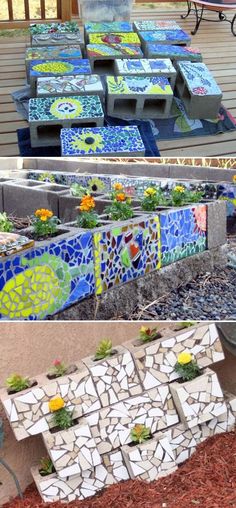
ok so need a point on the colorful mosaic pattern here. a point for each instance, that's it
(44, 28)
(106, 140)
(174, 52)
(53, 53)
(54, 38)
(168, 36)
(69, 85)
(198, 79)
(183, 233)
(113, 50)
(148, 85)
(156, 25)
(227, 191)
(115, 26)
(144, 66)
(47, 279)
(61, 108)
(72, 67)
(11, 242)
(115, 38)
(124, 253)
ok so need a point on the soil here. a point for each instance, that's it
(206, 480)
(113, 353)
(70, 370)
(32, 383)
(33, 236)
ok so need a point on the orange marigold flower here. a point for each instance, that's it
(120, 197)
(87, 203)
(43, 214)
(117, 186)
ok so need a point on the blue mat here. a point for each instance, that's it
(145, 130)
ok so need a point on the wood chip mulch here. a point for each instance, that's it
(206, 480)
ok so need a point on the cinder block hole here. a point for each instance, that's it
(180, 83)
(125, 106)
(55, 188)
(154, 106)
(49, 131)
(26, 183)
(83, 124)
(104, 66)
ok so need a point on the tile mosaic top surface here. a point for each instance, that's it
(172, 51)
(69, 84)
(151, 85)
(99, 140)
(145, 66)
(56, 38)
(115, 26)
(156, 25)
(52, 52)
(11, 242)
(115, 38)
(44, 28)
(97, 50)
(198, 78)
(59, 67)
(62, 108)
(165, 35)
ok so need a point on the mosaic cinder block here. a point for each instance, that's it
(102, 56)
(227, 192)
(126, 252)
(103, 27)
(113, 141)
(175, 53)
(55, 27)
(183, 441)
(10, 243)
(111, 426)
(156, 360)
(57, 38)
(198, 90)
(174, 37)
(155, 25)
(69, 85)
(116, 378)
(131, 38)
(48, 68)
(199, 400)
(47, 112)
(28, 411)
(73, 450)
(49, 277)
(144, 67)
(183, 233)
(51, 53)
(150, 460)
(139, 96)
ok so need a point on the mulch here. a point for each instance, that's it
(206, 480)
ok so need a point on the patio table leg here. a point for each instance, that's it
(189, 5)
(199, 14)
(232, 25)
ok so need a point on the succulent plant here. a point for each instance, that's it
(16, 383)
(46, 466)
(140, 433)
(104, 349)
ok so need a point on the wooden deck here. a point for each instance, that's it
(216, 43)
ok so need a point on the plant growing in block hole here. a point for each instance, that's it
(104, 349)
(17, 383)
(6, 226)
(46, 466)
(140, 433)
(152, 198)
(44, 223)
(87, 218)
(120, 208)
(147, 334)
(62, 417)
(187, 367)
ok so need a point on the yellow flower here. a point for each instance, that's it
(179, 188)
(150, 191)
(120, 196)
(43, 214)
(43, 218)
(143, 329)
(184, 358)
(56, 404)
(117, 186)
(234, 179)
(66, 108)
(81, 143)
(87, 203)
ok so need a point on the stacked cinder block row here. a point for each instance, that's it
(97, 450)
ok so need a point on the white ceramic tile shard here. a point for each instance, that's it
(199, 400)
(183, 441)
(116, 378)
(155, 409)
(28, 411)
(151, 459)
(156, 360)
(72, 451)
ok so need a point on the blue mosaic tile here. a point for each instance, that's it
(174, 52)
(70, 67)
(55, 27)
(227, 191)
(53, 53)
(60, 108)
(168, 36)
(156, 25)
(103, 27)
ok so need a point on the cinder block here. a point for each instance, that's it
(102, 56)
(51, 53)
(176, 37)
(102, 141)
(216, 224)
(57, 39)
(47, 116)
(52, 68)
(68, 204)
(115, 38)
(23, 197)
(69, 85)
(141, 26)
(198, 90)
(175, 53)
(145, 67)
(107, 27)
(135, 97)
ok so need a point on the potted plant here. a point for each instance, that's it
(153, 199)
(180, 196)
(60, 369)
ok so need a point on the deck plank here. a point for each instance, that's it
(218, 54)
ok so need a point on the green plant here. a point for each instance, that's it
(87, 217)
(59, 368)
(46, 466)
(152, 198)
(63, 418)
(104, 349)
(6, 226)
(47, 177)
(187, 367)
(140, 433)
(147, 334)
(44, 223)
(180, 196)
(78, 190)
(119, 210)
(16, 383)
(187, 324)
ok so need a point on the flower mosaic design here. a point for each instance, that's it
(70, 108)
(53, 67)
(115, 38)
(113, 50)
(200, 218)
(199, 90)
(81, 143)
